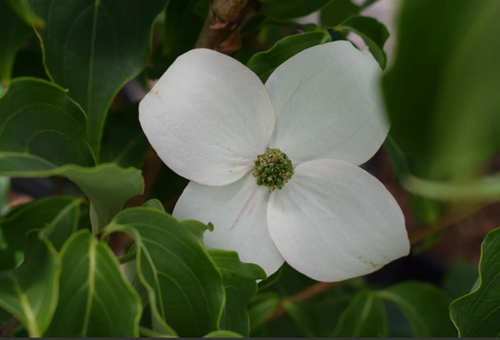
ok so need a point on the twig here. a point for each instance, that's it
(453, 217)
(221, 16)
(9, 327)
(305, 295)
(456, 215)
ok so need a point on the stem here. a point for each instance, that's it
(9, 327)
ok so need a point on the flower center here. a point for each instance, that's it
(273, 169)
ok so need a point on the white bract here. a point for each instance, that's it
(209, 118)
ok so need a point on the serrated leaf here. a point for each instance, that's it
(424, 305)
(279, 10)
(93, 47)
(264, 63)
(30, 292)
(183, 283)
(58, 215)
(95, 299)
(477, 314)
(240, 285)
(373, 32)
(13, 33)
(364, 317)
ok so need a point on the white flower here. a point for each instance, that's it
(209, 118)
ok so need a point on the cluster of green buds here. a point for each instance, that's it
(273, 169)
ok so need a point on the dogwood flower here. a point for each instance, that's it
(275, 167)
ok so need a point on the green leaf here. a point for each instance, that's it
(223, 334)
(13, 33)
(183, 283)
(271, 280)
(104, 44)
(108, 188)
(477, 314)
(184, 20)
(337, 11)
(58, 215)
(364, 317)
(240, 285)
(154, 204)
(95, 299)
(43, 135)
(302, 316)
(123, 141)
(373, 32)
(459, 279)
(368, 3)
(4, 195)
(424, 305)
(4, 316)
(260, 307)
(279, 10)
(30, 292)
(444, 86)
(54, 136)
(264, 63)
(24, 10)
(148, 333)
(197, 228)
(425, 209)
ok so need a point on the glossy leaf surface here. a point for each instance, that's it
(240, 285)
(184, 286)
(30, 292)
(264, 63)
(93, 48)
(373, 32)
(58, 215)
(13, 33)
(95, 299)
(477, 314)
